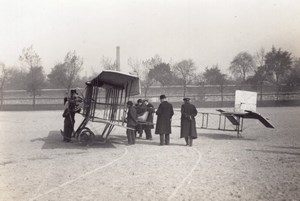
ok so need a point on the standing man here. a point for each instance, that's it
(140, 110)
(131, 123)
(69, 115)
(164, 116)
(188, 123)
(148, 127)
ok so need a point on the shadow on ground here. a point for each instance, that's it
(217, 136)
(54, 140)
(123, 140)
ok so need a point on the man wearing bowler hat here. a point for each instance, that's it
(188, 123)
(164, 116)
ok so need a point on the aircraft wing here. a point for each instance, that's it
(254, 115)
(246, 115)
(229, 116)
(112, 79)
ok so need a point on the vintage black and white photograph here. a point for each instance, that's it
(149, 100)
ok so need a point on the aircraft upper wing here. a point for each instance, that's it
(110, 78)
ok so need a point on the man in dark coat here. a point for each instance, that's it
(188, 123)
(149, 126)
(69, 115)
(164, 116)
(131, 123)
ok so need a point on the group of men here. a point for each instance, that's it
(133, 114)
(164, 114)
(136, 125)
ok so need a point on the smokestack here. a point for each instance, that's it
(118, 59)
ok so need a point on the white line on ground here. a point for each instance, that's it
(45, 178)
(189, 174)
(81, 176)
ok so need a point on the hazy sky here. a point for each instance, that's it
(207, 31)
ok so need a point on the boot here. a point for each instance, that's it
(148, 134)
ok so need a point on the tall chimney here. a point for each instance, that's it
(118, 59)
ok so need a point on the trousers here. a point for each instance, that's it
(148, 133)
(164, 139)
(130, 136)
(189, 141)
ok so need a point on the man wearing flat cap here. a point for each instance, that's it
(69, 115)
(188, 123)
(163, 124)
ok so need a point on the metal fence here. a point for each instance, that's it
(49, 98)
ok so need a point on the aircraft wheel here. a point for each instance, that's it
(86, 137)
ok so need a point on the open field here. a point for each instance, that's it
(263, 165)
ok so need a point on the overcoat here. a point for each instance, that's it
(151, 110)
(69, 121)
(131, 117)
(188, 123)
(164, 115)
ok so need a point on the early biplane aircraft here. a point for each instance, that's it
(105, 101)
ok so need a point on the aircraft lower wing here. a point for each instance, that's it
(229, 116)
(246, 115)
(254, 115)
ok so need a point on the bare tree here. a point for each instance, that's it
(142, 68)
(260, 57)
(35, 77)
(107, 64)
(73, 64)
(185, 71)
(260, 73)
(29, 57)
(136, 66)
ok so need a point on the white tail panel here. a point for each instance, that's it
(245, 100)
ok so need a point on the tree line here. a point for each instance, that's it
(276, 67)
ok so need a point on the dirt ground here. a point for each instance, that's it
(263, 165)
